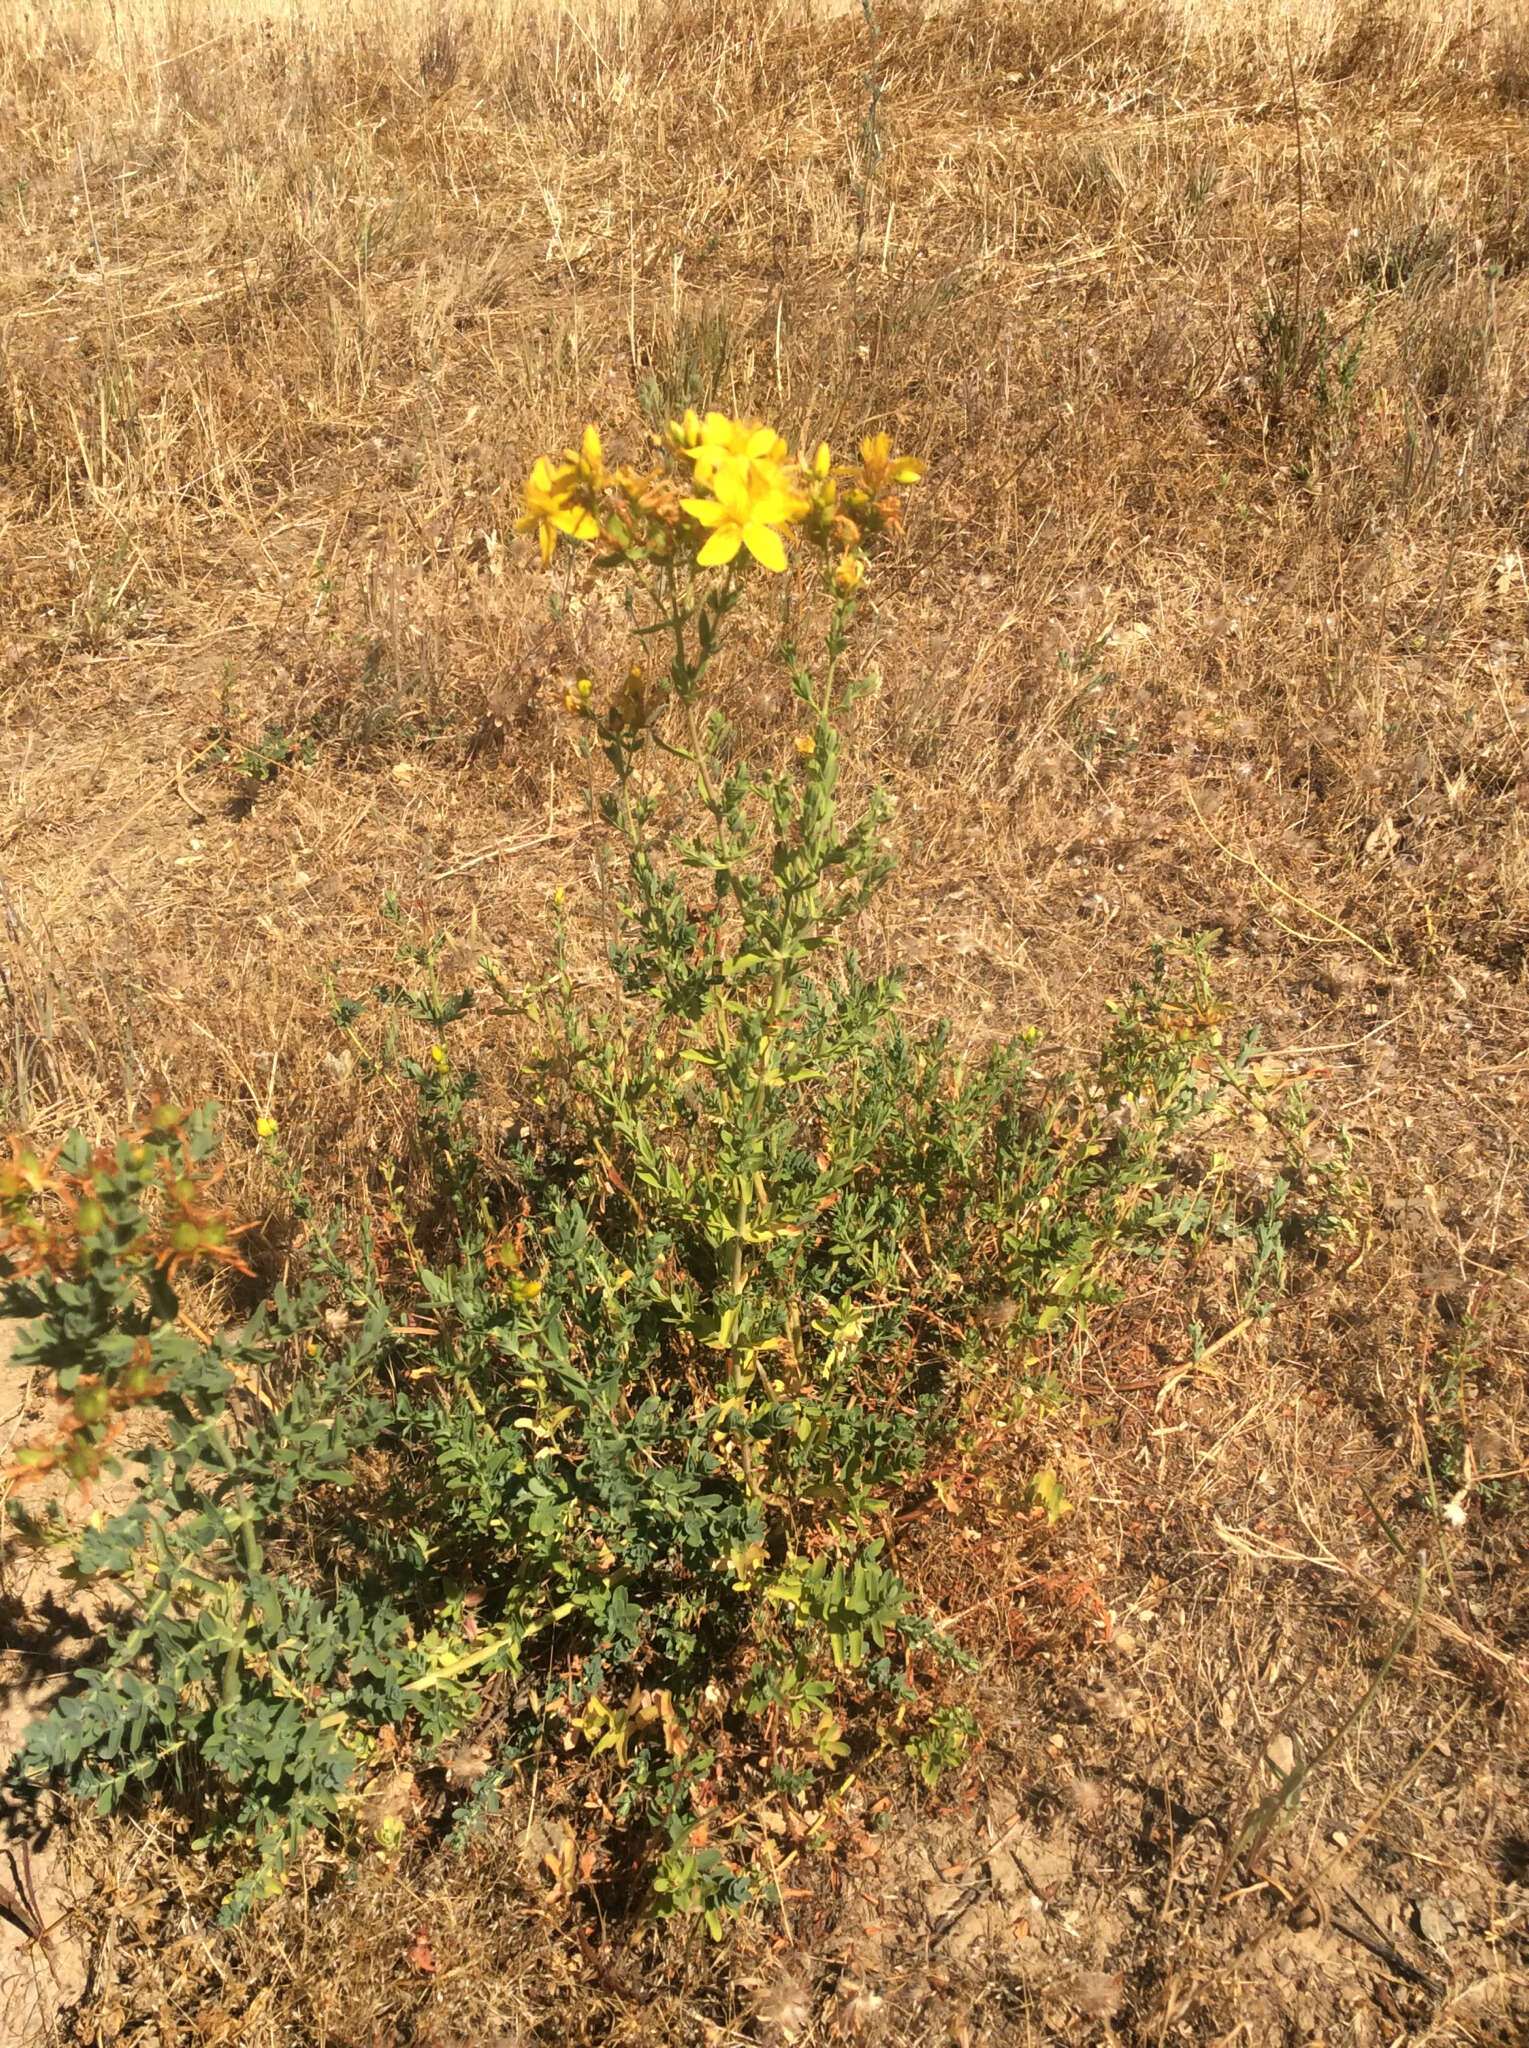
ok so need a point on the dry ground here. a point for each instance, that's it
(289, 300)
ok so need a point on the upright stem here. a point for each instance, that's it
(1300, 195)
(756, 1104)
(791, 934)
(254, 1560)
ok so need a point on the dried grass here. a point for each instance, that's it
(288, 301)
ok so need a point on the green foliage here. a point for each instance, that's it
(943, 1744)
(262, 760)
(227, 1663)
(1302, 356)
(686, 367)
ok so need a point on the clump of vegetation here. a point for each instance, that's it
(610, 1471)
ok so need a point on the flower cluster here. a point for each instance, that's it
(115, 1224)
(87, 1423)
(57, 1219)
(723, 488)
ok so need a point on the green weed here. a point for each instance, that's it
(596, 1444)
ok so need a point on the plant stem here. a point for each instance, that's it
(254, 1561)
(792, 936)
(756, 1104)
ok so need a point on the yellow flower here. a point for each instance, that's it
(744, 513)
(588, 466)
(760, 451)
(806, 745)
(632, 707)
(849, 574)
(265, 1127)
(739, 437)
(882, 467)
(550, 507)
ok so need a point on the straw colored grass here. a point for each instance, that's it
(291, 297)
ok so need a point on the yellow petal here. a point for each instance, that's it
(777, 507)
(765, 545)
(706, 510)
(575, 522)
(592, 451)
(721, 548)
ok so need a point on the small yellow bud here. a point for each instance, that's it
(266, 1127)
(438, 1055)
(822, 461)
(806, 744)
(586, 688)
(558, 898)
(849, 574)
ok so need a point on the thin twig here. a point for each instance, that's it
(1246, 860)
(1270, 1810)
(1182, 1372)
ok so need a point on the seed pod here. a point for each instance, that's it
(92, 1403)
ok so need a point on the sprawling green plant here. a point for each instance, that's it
(630, 1432)
(223, 1665)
